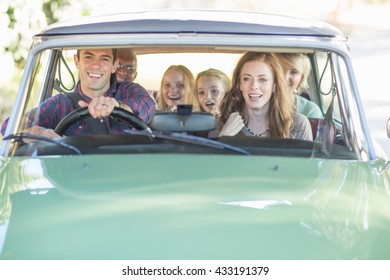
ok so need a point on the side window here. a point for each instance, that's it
(35, 86)
(66, 72)
(354, 134)
(38, 79)
(46, 68)
(326, 83)
(346, 88)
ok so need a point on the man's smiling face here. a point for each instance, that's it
(95, 68)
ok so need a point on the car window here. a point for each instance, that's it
(65, 72)
(55, 73)
(326, 82)
(150, 72)
(36, 90)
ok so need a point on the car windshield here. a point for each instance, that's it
(184, 130)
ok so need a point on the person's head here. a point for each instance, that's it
(210, 85)
(297, 68)
(177, 87)
(258, 83)
(113, 51)
(95, 68)
(127, 65)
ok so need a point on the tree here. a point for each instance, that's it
(19, 31)
(19, 21)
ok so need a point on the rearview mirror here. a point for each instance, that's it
(174, 122)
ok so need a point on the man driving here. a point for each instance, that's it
(96, 89)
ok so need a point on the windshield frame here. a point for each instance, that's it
(217, 42)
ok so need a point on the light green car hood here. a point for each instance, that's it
(194, 207)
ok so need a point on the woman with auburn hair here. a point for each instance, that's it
(259, 103)
(177, 87)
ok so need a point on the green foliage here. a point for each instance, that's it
(49, 7)
(11, 15)
(50, 10)
(20, 21)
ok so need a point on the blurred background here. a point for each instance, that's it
(365, 22)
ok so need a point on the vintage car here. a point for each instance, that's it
(166, 190)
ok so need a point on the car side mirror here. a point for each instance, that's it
(388, 128)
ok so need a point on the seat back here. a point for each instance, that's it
(322, 129)
(324, 132)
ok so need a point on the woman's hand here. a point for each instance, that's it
(233, 125)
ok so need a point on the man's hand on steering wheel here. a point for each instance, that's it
(117, 113)
(102, 106)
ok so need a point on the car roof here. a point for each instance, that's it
(193, 21)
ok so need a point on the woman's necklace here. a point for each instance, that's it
(265, 132)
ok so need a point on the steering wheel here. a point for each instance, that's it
(82, 113)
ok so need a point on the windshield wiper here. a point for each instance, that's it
(19, 137)
(190, 139)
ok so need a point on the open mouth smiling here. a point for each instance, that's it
(95, 75)
(174, 97)
(254, 96)
(210, 104)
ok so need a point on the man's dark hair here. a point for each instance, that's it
(114, 51)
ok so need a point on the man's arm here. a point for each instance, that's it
(138, 100)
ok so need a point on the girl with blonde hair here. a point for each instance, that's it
(297, 69)
(210, 86)
(177, 87)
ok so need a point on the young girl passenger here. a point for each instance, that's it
(177, 87)
(210, 86)
(297, 69)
